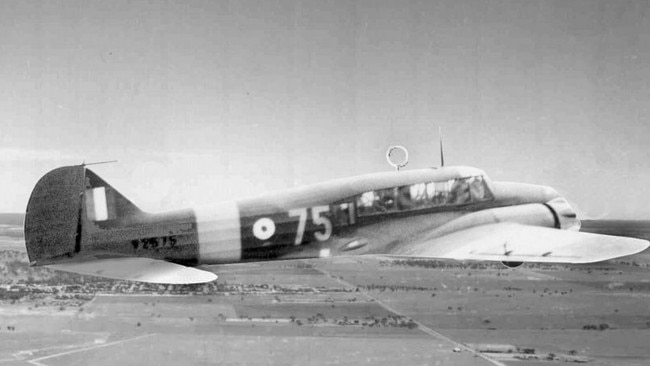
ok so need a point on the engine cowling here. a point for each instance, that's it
(556, 213)
(535, 214)
(565, 216)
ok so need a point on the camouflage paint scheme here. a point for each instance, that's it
(76, 221)
(312, 221)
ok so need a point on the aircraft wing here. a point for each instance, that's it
(509, 242)
(137, 269)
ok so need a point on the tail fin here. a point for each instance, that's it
(77, 222)
(61, 202)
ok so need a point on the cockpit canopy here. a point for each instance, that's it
(421, 196)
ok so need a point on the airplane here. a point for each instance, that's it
(77, 222)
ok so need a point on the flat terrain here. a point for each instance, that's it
(370, 311)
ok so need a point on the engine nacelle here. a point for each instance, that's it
(535, 214)
(556, 213)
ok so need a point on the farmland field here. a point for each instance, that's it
(370, 310)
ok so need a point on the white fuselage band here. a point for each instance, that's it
(219, 233)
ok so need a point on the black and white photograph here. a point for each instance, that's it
(320, 182)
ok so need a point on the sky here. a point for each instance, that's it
(203, 101)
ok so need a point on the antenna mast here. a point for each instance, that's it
(98, 162)
(442, 153)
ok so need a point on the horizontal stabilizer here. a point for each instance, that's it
(510, 242)
(137, 269)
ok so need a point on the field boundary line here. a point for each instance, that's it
(421, 326)
(37, 361)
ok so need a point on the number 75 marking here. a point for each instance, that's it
(316, 218)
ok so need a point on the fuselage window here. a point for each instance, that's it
(418, 196)
(342, 214)
(440, 194)
(377, 202)
(418, 192)
(366, 201)
(414, 196)
(405, 199)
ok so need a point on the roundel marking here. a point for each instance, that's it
(264, 228)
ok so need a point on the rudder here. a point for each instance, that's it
(52, 221)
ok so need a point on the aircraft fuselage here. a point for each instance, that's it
(360, 215)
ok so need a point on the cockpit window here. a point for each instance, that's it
(479, 190)
(458, 192)
(424, 195)
(376, 202)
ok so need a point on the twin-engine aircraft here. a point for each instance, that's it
(77, 222)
